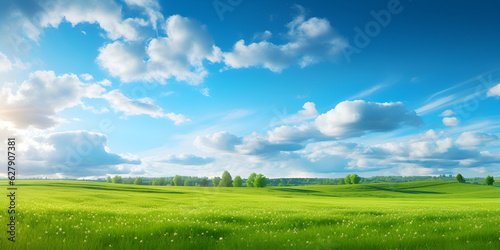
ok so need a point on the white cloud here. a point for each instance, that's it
(218, 142)
(355, 118)
(412, 152)
(448, 112)
(185, 159)
(310, 41)
(87, 77)
(450, 121)
(262, 147)
(348, 119)
(296, 134)
(102, 110)
(169, 93)
(368, 92)
(308, 112)
(180, 55)
(27, 20)
(5, 63)
(144, 106)
(474, 139)
(262, 36)
(75, 154)
(435, 105)
(105, 82)
(151, 8)
(494, 91)
(67, 154)
(42, 96)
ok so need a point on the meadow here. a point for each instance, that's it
(91, 215)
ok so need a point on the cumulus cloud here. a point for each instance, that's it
(450, 121)
(474, 138)
(105, 82)
(25, 22)
(150, 7)
(347, 119)
(87, 77)
(494, 91)
(144, 106)
(261, 146)
(448, 112)
(180, 55)
(308, 112)
(355, 118)
(43, 95)
(218, 142)
(186, 159)
(70, 154)
(105, 13)
(82, 149)
(297, 134)
(309, 41)
(417, 152)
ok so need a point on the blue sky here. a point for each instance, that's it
(287, 88)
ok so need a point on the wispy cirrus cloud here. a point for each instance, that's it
(144, 106)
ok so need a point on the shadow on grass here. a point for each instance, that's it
(404, 191)
(296, 190)
(118, 187)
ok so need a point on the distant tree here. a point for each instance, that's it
(204, 182)
(162, 181)
(117, 179)
(281, 184)
(260, 181)
(216, 181)
(186, 183)
(251, 179)
(341, 181)
(489, 180)
(108, 180)
(460, 178)
(355, 179)
(177, 180)
(226, 180)
(155, 182)
(348, 179)
(237, 182)
(129, 181)
(138, 181)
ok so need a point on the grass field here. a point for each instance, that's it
(90, 215)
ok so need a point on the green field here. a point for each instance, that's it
(91, 215)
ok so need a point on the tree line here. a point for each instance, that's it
(254, 180)
(259, 180)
